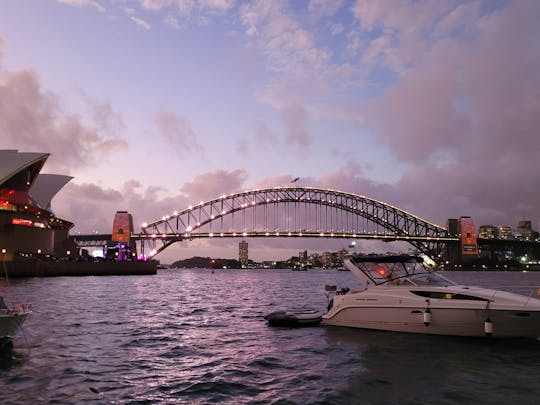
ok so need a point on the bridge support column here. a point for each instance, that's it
(122, 230)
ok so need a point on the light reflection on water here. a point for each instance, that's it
(190, 336)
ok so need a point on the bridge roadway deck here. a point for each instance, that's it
(97, 238)
(266, 234)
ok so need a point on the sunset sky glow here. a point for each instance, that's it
(152, 105)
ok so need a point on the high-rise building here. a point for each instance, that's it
(326, 259)
(524, 230)
(488, 232)
(243, 256)
(303, 257)
(505, 232)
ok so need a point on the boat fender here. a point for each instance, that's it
(330, 304)
(427, 315)
(488, 327)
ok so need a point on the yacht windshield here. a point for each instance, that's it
(399, 270)
(430, 279)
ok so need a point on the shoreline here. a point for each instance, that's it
(40, 268)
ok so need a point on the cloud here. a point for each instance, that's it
(405, 24)
(295, 118)
(280, 181)
(200, 11)
(177, 131)
(287, 46)
(172, 22)
(92, 206)
(462, 16)
(155, 4)
(83, 3)
(242, 146)
(324, 7)
(466, 119)
(264, 134)
(32, 119)
(140, 22)
(213, 184)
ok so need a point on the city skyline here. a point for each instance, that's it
(154, 105)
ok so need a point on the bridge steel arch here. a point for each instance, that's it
(294, 212)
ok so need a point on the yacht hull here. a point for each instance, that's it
(443, 321)
(402, 294)
(10, 322)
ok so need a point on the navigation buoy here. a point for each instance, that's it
(488, 327)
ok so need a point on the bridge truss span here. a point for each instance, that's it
(293, 212)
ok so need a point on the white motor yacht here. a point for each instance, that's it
(402, 294)
(12, 319)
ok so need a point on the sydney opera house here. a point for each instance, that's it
(28, 227)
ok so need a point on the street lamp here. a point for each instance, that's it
(4, 261)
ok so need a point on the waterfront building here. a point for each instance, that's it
(524, 230)
(327, 259)
(505, 232)
(342, 255)
(243, 256)
(488, 232)
(28, 227)
(314, 259)
(303, 257)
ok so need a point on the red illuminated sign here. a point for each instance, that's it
(20, 221)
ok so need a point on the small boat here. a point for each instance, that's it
(296, 318)
(12, 319)
(402, 294)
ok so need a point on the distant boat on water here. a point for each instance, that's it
(11, 319)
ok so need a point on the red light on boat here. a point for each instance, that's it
(381, 271)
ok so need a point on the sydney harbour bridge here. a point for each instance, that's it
(293, 212)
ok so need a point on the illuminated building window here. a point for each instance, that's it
(7, 206)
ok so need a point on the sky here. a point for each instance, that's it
(152, 105)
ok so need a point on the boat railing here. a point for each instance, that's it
(527, 290)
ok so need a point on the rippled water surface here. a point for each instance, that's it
(190, 336)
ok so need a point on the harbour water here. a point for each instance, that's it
(197, 337)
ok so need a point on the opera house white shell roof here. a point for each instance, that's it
(13, 162)
(42, 187)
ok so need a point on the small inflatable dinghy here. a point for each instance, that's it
(297, 318)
